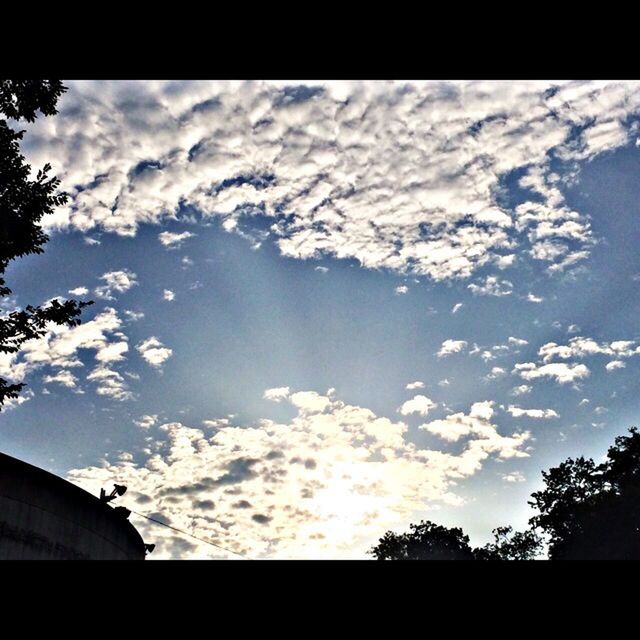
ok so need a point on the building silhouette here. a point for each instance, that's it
(43, 517)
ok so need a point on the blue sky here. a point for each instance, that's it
(279, 268)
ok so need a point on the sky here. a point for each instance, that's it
(325, 310)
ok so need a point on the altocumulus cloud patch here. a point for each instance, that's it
(326, 482)
(59, 350)
(399, 176)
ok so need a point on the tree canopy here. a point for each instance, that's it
(510, 545)
(430, 541)
(586, 511)
(592, 511)
(425, 541)
(23, 203)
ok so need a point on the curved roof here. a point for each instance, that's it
(42, 508)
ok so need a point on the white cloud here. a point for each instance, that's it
(79, 291)
(520, 390)
(217, 423)
(457, 307)
(561, 371)
(580, 347)
(492, 286)
(517, 412)
(478, 423)
(60, 348)
(146, 421)
(110, 383)
(532, 298)
(112, 352)
(168, 295)
(309, 402)
(495, 373)
(174, 240)
(482, 410)
(118, 281)
(515, 476)
(519, 342)
(485, 354)
(444, 383)
(64, 377)
(504, 262)
(133, 316)
(322, 269)
(418, 404)
(451, 346)
(401, 289)
(550, 225)
(418, 384)
(154, 352)
(13, 403)
(623, 347)
(571, 259)
(323, 485)
(276, 394)
(399, 175)
(603, 135)
(615, 364)
(8, 304)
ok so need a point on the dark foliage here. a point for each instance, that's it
(426, 541)
(23, 203)
(429, 541)
(586, 511)
(592, 511)
(24, 98)
(510, 545)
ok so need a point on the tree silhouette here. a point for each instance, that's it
(590, 511)
(23, 203)
(586, 511)
(425, 541)
(429, 541)
(510, 545)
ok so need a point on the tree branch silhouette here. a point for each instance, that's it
(23, 203)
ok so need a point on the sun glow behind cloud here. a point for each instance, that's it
(321, 485)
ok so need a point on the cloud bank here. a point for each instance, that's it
(401, 176)
(324, 484)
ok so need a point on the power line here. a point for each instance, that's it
(164, 524)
